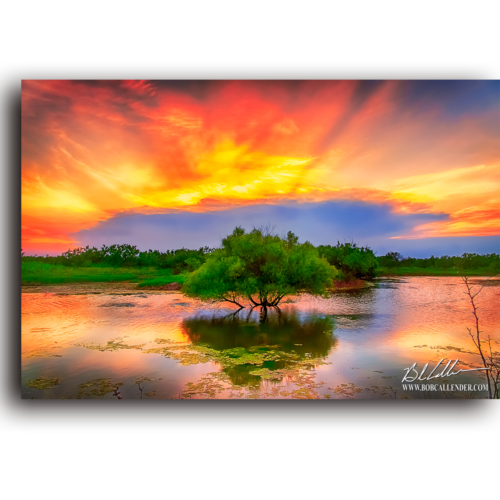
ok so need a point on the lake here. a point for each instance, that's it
(113, 341)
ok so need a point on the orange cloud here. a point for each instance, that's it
(94, 149)
(483, 220)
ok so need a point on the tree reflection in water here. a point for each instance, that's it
(291, 336)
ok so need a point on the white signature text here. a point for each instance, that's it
(412, 374)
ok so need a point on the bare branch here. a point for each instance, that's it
(476, 336)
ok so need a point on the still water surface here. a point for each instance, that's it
(112, 341)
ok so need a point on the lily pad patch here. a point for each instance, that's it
(42, 383)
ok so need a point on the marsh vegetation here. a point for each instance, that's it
(154, 268)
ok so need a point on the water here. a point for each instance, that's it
(115, 342)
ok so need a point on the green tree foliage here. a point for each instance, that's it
(353, 261)
(260, 267)
(178, 261)
(467, 261)
(391, 259)
(350, 259)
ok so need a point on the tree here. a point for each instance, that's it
(390, 259)
(353, 261)
(490, 358)
(260, 267)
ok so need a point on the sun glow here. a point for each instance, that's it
(92, 150)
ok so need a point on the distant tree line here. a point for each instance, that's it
(351, 260)
(394, 260)
(178, 261)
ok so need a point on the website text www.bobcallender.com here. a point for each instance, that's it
(445, 387)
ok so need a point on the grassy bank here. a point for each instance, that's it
(160, 281)
(430, 271)
(38, 273)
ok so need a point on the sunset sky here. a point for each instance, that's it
(410, 166)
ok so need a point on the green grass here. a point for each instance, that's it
(431, 271)
(39, 273)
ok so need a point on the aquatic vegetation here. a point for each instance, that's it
(282, 365)
(247, 358)
(446, 348)
(140, 380)
(312, 362)
(188, 354)
(304, 393)
(209, 386)
(267, 374)
(97, 388)
(170, 341)
(184, 353)
(43, 354)
(112, 345)
(42, 383)
(117, 304)
(351, 390)
(346, 390)
(301, 375)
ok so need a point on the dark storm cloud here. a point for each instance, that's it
(38, 118)
(120, 90)
(439, 246)
(198, 89)
(44, 105)
(319, 223)
(454, 97)
(126, 110)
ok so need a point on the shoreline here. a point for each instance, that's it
(177, 287)
(442, 274)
